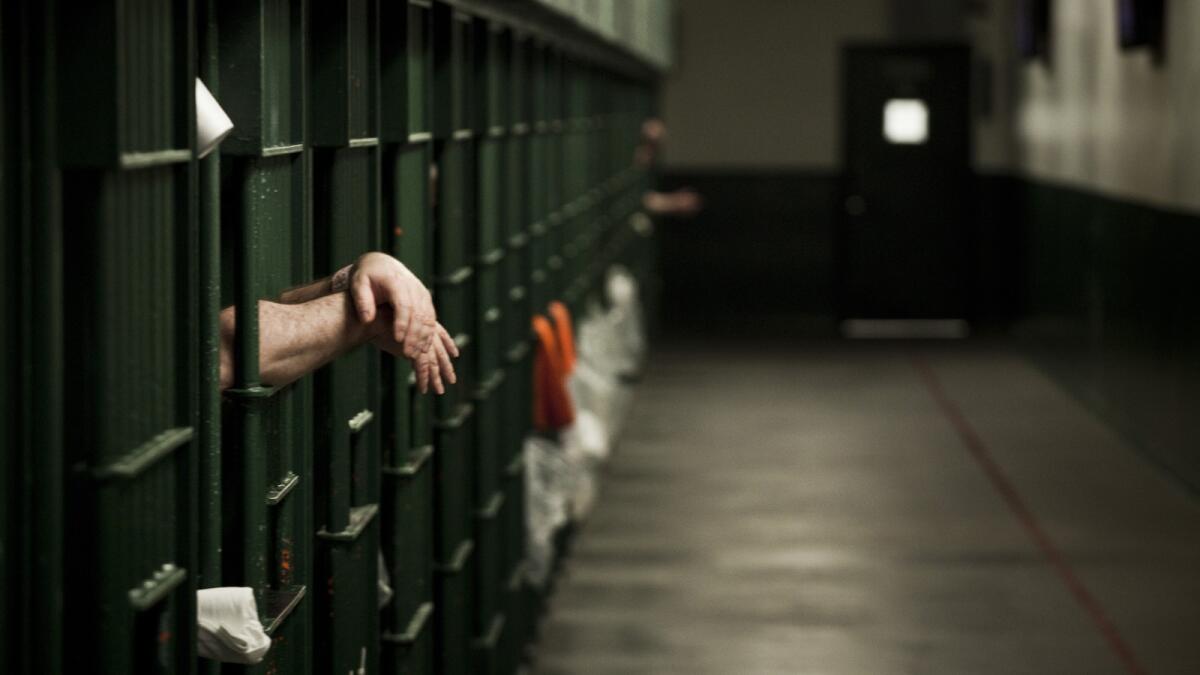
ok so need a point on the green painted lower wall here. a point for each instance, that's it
(762, 246)
(765, 245)
(1109, 307)
(1099, 291)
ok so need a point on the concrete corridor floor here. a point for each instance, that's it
(851, 508)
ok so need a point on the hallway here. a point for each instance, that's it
(828, 508)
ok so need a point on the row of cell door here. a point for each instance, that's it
(491, 159)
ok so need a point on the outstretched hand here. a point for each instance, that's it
(433, 367)
(681, 203)
(379, 279)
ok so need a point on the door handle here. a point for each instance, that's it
(855, 205)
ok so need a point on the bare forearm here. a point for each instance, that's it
(296, 339)
(317, 289)
(336, 283)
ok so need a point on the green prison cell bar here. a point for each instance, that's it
(126, 125)
(343, 126)
(488, 114)
(407, 500)
(594, 198)
(267, 467)
(577, 161)
(604, 186)
(617, 161)
(11, 449)
(208, 436)
(555, 169)
(9, 598)
(31, 440)
(589, 197)
(538, 215)
(518, 395)
(454, 545)
(537, 178)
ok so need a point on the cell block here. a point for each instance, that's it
(344, 74)
(488, 446)
(454, 233)
(452, 70)
(129, 433)
(262, 75)
(419, 67)
(125, 84)
(407, 205)
(490, 580)
(453, 480)
(454, 590)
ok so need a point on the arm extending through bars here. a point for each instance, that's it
(296, 339)
(379, 279)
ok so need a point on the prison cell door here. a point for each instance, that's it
(904, 236)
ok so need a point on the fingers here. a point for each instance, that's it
(410, 327)
(434, 369)
(447, 342)
(445, 366)
(417, 330)
(426, 317)
(435, 377)
(364, 299)
(380, 280)
(392, 291)
(430, 374)
(421, 366)
(421, 330)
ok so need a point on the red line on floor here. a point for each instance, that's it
(1000, 481)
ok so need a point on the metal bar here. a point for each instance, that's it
(282, 489)
(459, 418)
(491, 637)
(156, 589)
(458, 561)
(138, 460)
(277, 605)
(415, 627)
(492, 508)
(359, 421)
(420, 457)
(142, 160)
(360, 517)
(281, 150)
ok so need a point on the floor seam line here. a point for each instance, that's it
(1000, 481)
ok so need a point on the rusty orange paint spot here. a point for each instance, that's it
(399, 231)
(164, 637)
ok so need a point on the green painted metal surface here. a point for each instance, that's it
(117, 427)
(346, 457)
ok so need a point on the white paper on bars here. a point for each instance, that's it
(212, 124)
(385, 583)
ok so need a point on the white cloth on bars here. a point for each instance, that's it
(229, 629)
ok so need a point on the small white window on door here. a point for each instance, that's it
(905, 121)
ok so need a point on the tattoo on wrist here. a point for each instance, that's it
(341, 279)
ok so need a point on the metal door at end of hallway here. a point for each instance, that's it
(904, 235)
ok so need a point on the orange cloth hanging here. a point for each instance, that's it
(566, 335)
(552, 407)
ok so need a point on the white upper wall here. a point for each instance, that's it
(756, 82)
(992, 33)
(1096, 117)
